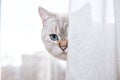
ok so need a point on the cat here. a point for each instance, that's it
(55, 33)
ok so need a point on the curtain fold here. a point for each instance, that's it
(117, 27)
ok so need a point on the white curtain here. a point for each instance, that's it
(94, 40)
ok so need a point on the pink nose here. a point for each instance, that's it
(63, 44)
(63, 48)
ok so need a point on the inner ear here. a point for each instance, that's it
(44, 14)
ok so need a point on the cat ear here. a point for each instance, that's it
(44, 14)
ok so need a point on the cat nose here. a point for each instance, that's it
(63, 44)
(63, 48)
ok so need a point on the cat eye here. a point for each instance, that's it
(53, 37)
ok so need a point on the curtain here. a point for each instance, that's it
(94, 40)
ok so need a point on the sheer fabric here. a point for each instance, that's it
(94, 40)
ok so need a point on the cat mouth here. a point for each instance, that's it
(64, 52)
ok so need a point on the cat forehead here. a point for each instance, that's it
(62, 28)
(62, 18)
(58, 21)
(61, 25)
(57, 25)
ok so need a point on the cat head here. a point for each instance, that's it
(54, 33)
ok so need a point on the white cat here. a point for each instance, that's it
(55, 33)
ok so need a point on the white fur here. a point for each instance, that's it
(50, 22)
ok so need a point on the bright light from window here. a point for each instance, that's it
(21, 27)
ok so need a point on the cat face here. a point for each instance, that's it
(54, 33)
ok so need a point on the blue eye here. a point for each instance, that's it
(53, 37)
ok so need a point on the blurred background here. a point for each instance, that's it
(23, 56)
